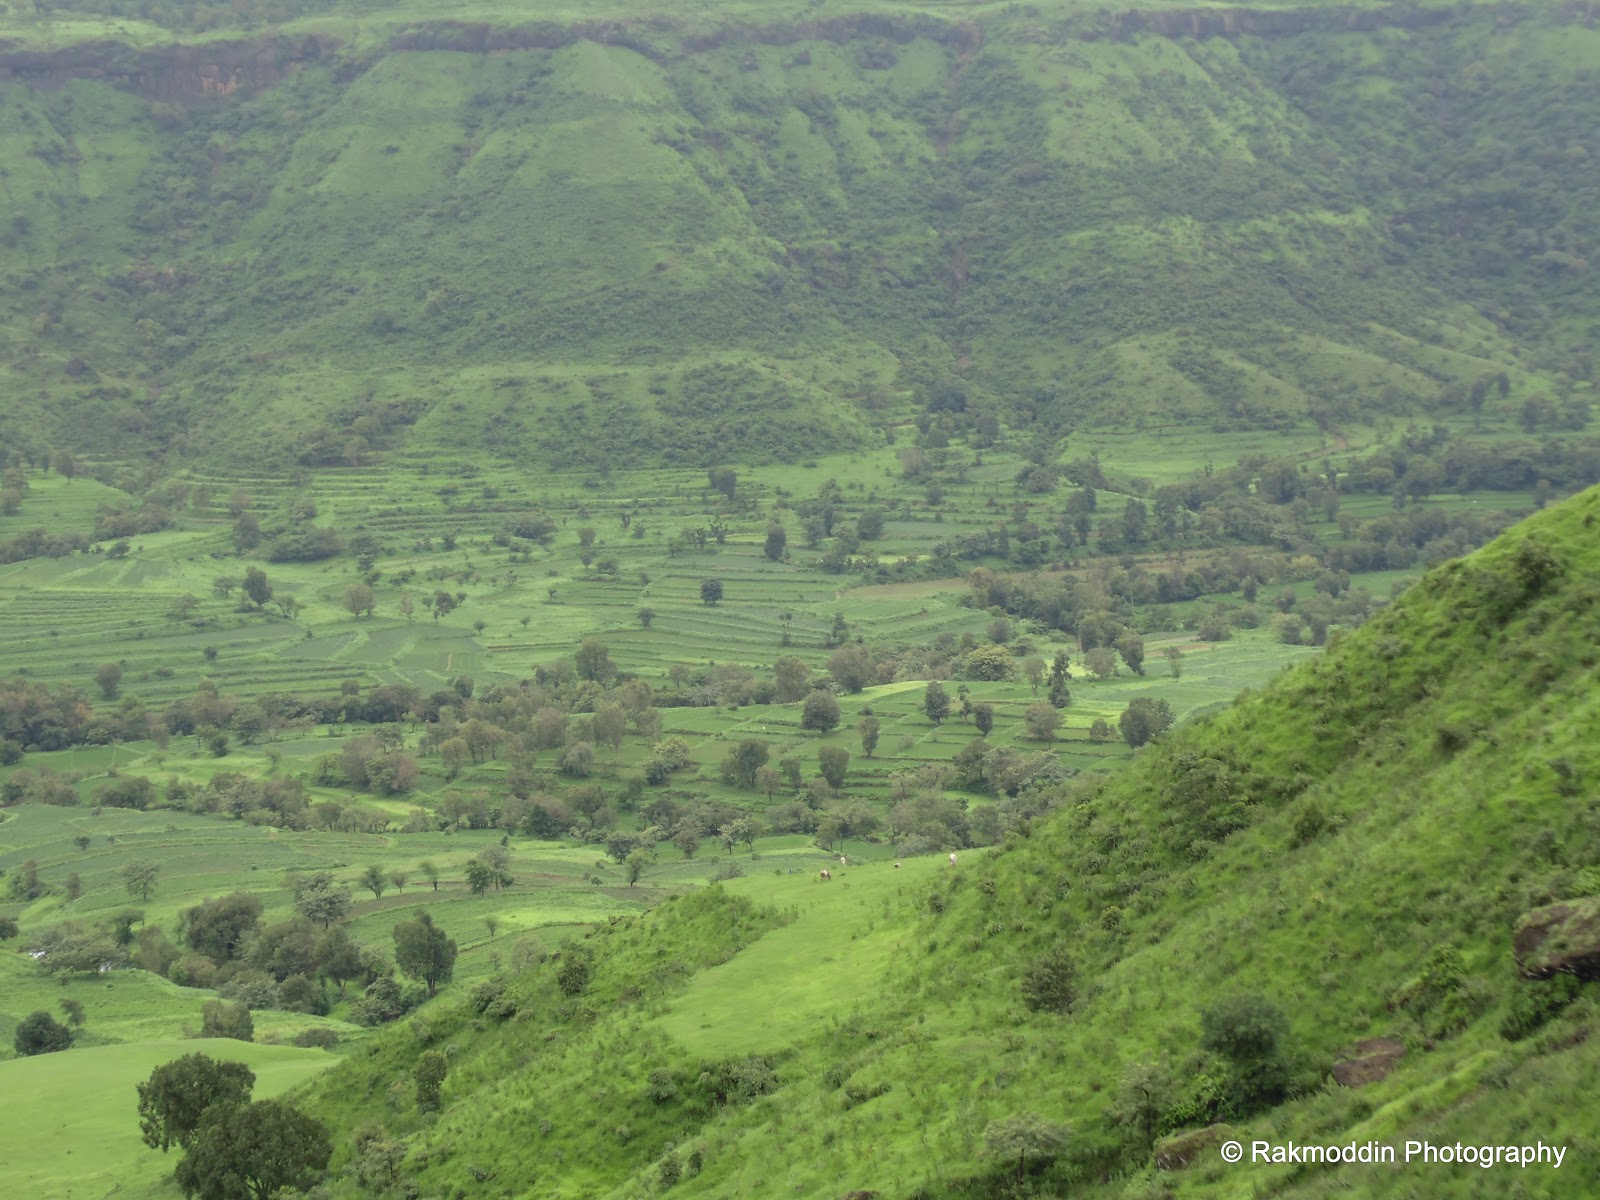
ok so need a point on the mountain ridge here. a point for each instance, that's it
(941, 218)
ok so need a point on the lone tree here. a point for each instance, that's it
(220, 1019)
(743, 830)
(820, 712)
(646, 616)
(374, 880)
(318, 898)
(424, 952)
(256, 587)
(850, 667)
(767, 780)
(176, 1096)
(1144, 719)
(635, 864)
(1050, 982)
(109, 677)
(1143, 1099)
(140, 878)
(936, 702)
(489, 869)
(792, 678)
(777, 540)
(983, 718)
(430, 1072)
(1249, 1031)
(1131, 646)
(592, 661)
(360, 598)
(1102, 663)
(868, 728)
(220, 928)
(739, 765)
(711, 590)
(724, 480)
(40, 1033)
(834, 764)
(253, 1151)
(338, 956)
(1060, 695)
(1026, 1137)
(1042, 721)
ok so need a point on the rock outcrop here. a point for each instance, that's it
(1559, 939)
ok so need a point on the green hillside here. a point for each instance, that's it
(751, 236)
(1352, 845)
(831, 598)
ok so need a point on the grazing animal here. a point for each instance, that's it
(842, 861)
(952, 860)
(825, 875)
(897, 866)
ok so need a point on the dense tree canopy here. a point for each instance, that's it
(40, 1033)
(176, 1096)
(250, 1151)
(424, 952)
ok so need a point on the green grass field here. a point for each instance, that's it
(845, 934)
(75, 1128)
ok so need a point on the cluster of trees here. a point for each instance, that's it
(41, 543)
(1109, 606)
(36, 717)
(122, 520)
(33, 715)
(1246, 1060)
(115, 521)
(289, 965)
(1278, 503)
(233, 1148)
(553, 731)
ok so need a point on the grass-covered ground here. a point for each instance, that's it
(63, 616)
(1352, 847)
(154, 612)
(893, 260)
(77, 1133)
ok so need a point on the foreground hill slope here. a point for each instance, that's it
(679, 239)
(1321, 882)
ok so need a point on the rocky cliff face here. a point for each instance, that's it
(1254, 22)
(178, 72)
(219, 69)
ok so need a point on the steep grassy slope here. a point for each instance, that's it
(1354, 844)
(687, 242)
